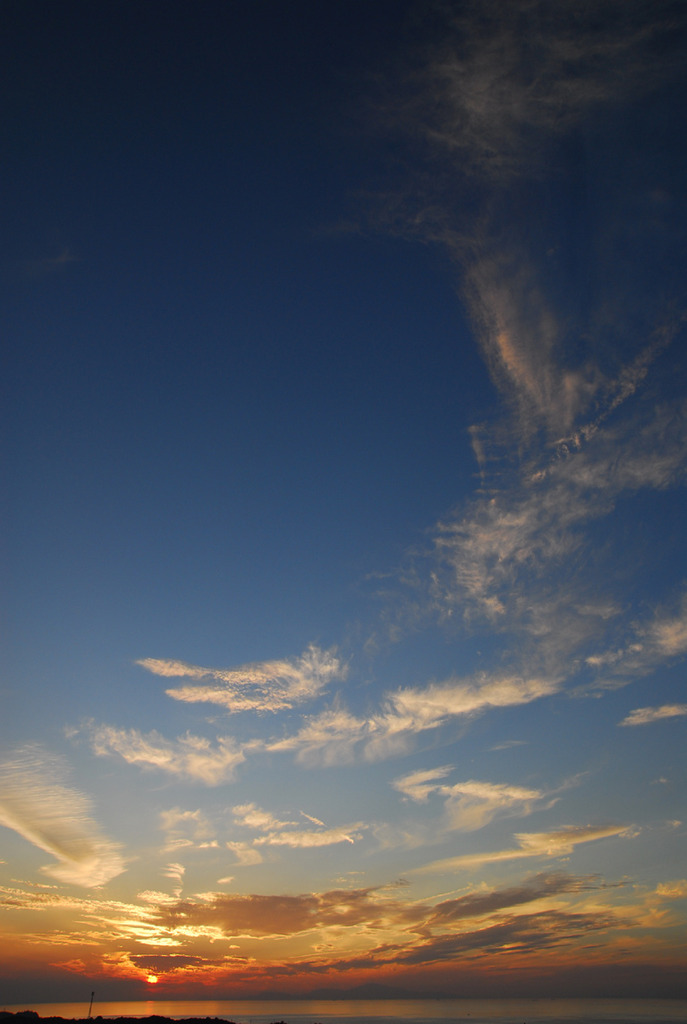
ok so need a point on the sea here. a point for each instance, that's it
(385, 1011)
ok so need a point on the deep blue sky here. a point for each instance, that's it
(222, 343)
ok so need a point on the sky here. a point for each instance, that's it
(344, 450)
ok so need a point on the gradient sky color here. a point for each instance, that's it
(345, 438)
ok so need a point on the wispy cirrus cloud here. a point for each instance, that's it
(419, 708)
(190, 757)
(259, 686)
(676, 890)
(48, 265)
(36, 803)
(504, 80)
(154, 896)
(181, 824)
(290, 833)
(541, 886)
(471, 805)
(494, 563)
(310, 838)
(522, 561)
(558, 843)
(101, 924)
(30, 899)
(328, 738)
(527, 531)
(498, 92)
(668, 634)
(521, 339)
(175, 871)
(494, 100)
(246, 855)
(335, 736)
(645, 716)
(251, 816)
(651, 643)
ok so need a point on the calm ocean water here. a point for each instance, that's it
(382, 1011)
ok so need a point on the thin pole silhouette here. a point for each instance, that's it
(91, 1006)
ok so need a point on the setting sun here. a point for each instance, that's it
(152, 979)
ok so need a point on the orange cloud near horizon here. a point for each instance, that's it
(551, 929)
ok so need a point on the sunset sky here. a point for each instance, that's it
(344, 405)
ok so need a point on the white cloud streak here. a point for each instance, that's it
(645, 716)
(189, 757)
(508, 77)
(260, 686)
(471, 805)
(36, 804)
(559, 843)
(531, 529)
(252, 816)
(288, 833)
(304, 839)
(332, 737)
(176, 821)
(246, 855)
(337, 737)
(496, 95)
(653, 643)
